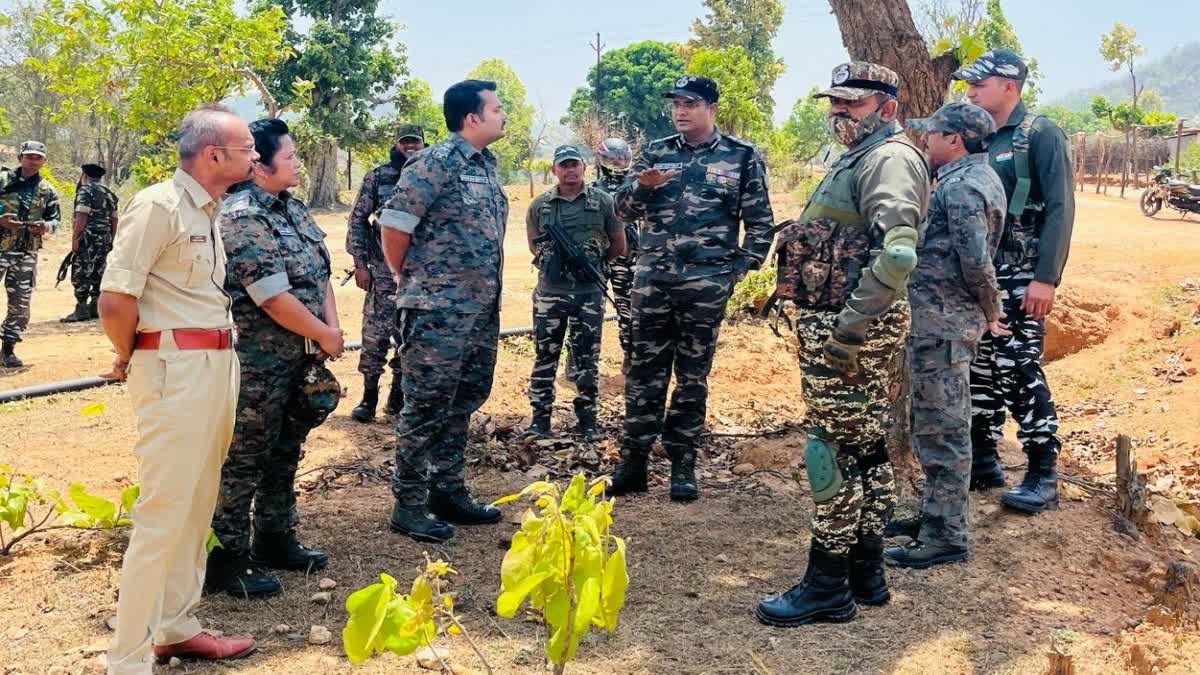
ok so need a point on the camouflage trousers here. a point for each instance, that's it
(675, 327)
(88, 266)
(1007, 375)
(620, 275)
(379, 325)
(268, 439)
(19, 271)
(850, 412)
(447, 361)
(551, 313)
(940, 372)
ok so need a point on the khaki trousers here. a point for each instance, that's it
(185, 403)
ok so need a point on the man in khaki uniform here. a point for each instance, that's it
(166, 313)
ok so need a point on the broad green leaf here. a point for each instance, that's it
(212, 542)
(367, 608)
(558, 608)
(129, 496)
(509, 601)
(506, 499)
(613, 585)
(556, 647)
(574, 495)
(99, 508)
(518, 562)
(588, 605)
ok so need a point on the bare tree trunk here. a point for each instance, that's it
(322, 175)
(883, 32)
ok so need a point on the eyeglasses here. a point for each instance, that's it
(686, 103)
(244, 148)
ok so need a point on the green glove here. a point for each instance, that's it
(841, 353)
(898, 258)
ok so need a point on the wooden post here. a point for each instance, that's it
(1131, 491)
(1178, 144)
(349, 165)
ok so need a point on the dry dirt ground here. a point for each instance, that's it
(1123, 333)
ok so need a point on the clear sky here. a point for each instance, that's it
(546, 41)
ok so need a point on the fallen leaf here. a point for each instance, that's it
(93, 409)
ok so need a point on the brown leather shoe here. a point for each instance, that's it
(207, 647)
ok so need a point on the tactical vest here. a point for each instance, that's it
(589, 234)
(1023, 223)
(24, 199)
(822, 254)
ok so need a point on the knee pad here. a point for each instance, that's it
(824, 474)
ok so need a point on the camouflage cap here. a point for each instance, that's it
(565, 153)
(321, 393)
(860, 79)
(33, 148)
(410, 131)
(969, 121)
(695, 86)
(994, 62)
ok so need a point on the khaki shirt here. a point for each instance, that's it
(169, 255)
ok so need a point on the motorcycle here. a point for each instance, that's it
(1170, 192)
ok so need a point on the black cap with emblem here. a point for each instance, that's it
(695, 86)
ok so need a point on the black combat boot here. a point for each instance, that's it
(81, 313)
(395, 401)
(539, 426)
(282, 551)
(365, 410)
(460, 508)
(823, 595)
(7, 358)
(629, 476)
(867, 579)
(919, 555)
(684, 487)
(986, 472)
(234, 574)
(1038, 491)
(903, 527)
(94, 308)
(416, 522)
(585, 424)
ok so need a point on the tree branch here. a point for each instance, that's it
(268, 98)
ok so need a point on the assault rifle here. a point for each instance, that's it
(569, 261)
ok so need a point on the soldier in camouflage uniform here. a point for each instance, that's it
(845, 263)
(954, 300)
(372, 275)
(28, 211)
(277, 274)
(1032, 157)
(95, 224)
(564, 292)
(443, 235)
(613, 159)
(690, 190)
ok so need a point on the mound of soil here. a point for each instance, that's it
(1083, 316)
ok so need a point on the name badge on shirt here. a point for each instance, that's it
(1004, 156)
(669, 166)
(198, 238)
(478, 180)
(287, 232)
(592, 205)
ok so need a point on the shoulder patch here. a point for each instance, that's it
(440, 151)
(739, 142)
(663, 140)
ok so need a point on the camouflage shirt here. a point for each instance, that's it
(362, 237)
(610, 183)
(587, 218)
(33, 199)
(953, 290)
(99, 203)
(449, 199)
(273, 246)
(690, 228)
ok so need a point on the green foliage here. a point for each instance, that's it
(751, 292)
(87, 510)
(806, 130)
(27, 506)
(212, 542)
(514, 150)
(738, 113)
(632, 81)
(750, 25)
(1189, 162)
(383, 620)
(566, 563)
(1159, 123)
(1123, 116)
(1119, 47)
(144, 63)
(415, 98)
(1072, 121)
(346, 54)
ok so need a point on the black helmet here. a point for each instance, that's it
(614, 155)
